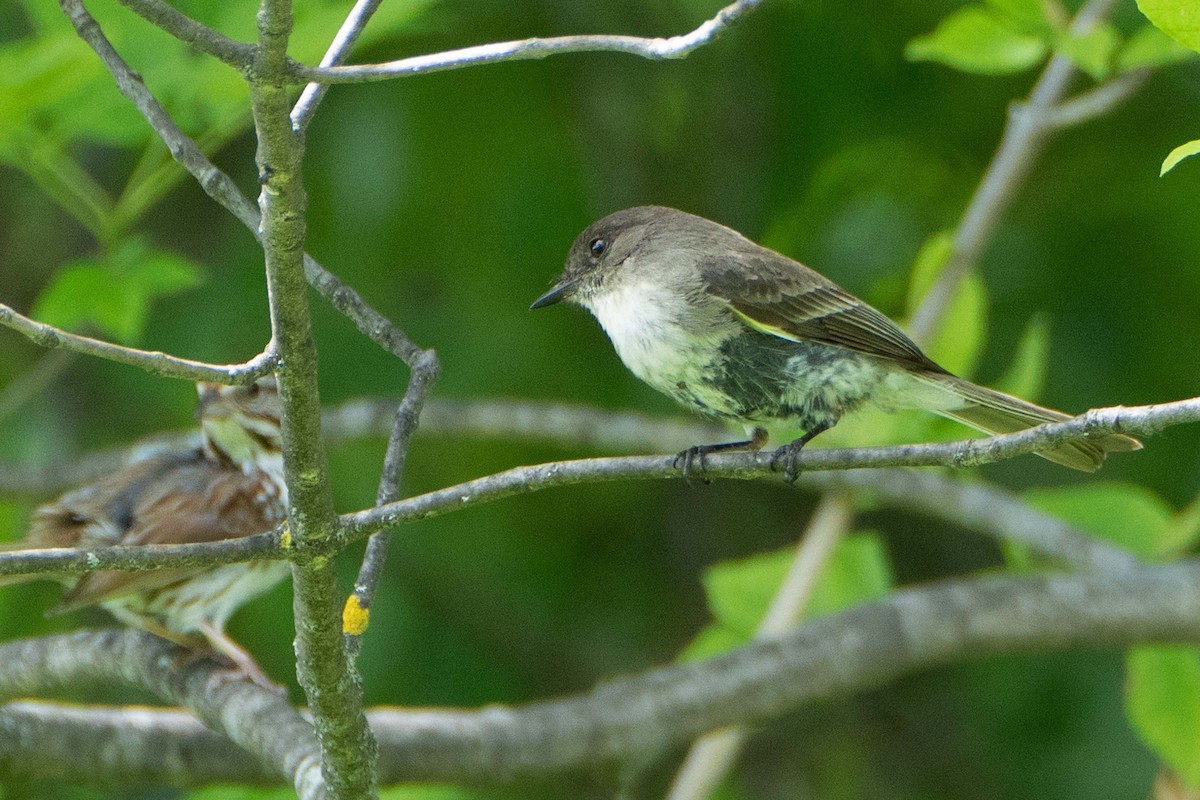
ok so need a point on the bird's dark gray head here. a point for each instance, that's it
(602, 253)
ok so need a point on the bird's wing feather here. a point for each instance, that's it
(205, 504)
(778, 296)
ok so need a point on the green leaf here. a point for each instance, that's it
(1179, 154)
(976, 39)
(1130, 516)
(405, 792)
(712, 640)
(1150, 47)
(1179, 19)
(739, 592)
(958, 341)
(859, 571)
(1162, 701)
(1094, 52)
(113, 292)
(431, 792)
(83, 294)
(1027, 16)
(1183, 531)
(240, 793)
(1026, 373)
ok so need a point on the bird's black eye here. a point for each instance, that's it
(598, 247)
(253, 389)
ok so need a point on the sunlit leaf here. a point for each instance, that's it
(1026, 373)
(1179, 154)
(1162, 700)
(113, 293)
(740, 592)
(976, 39)
(1127, 515)
(961, 333)
(1093, 52)
(1150, 47)
(1179, 19)
(1028, 16)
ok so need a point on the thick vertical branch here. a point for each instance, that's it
(347, 747)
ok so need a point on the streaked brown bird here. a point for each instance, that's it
(229, 487)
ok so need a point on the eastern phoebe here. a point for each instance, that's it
(737, 331)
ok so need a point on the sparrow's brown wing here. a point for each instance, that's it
(201, 501)
(780, 297)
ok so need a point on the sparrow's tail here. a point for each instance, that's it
(994, 412)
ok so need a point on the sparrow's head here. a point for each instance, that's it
(241, 422)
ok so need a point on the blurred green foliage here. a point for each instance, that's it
(835, 134)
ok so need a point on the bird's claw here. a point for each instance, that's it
(686, 461)
(789, 455)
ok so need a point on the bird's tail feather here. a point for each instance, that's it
(995, 412)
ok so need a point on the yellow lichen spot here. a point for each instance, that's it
(285, 537)
(354, 617)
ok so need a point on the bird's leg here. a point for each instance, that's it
(244, 664)
(791, 451)
(694, 455)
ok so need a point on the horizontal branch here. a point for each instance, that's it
(259, 720)
(965, 453)
(151, 361)
(630, 719)
(532, 49)
(524, 480)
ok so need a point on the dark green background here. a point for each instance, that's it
(449, 201)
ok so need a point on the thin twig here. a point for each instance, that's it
(529, 49)
(987, 509)
(1020, 145)
(713, 755)
(1097, 102)
(151, 361)
(1142, 420)
(339, 49)
(239, 55)
(629, 719)
(424, 373)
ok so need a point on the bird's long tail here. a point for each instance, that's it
(994, 412)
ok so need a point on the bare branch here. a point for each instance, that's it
(259, 720)
(424, 372)
(713, 755)
(630, 719)
(531, 49)
(89, 744)
(966, 453)
(1098, 101)
(239, 55)
(153, 362)
(978, 506)
(563, 424)
(339, 49)
(1029, 125)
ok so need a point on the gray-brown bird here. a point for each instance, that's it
(737, 331)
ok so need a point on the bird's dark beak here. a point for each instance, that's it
(562, 290)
